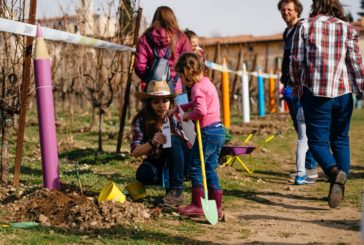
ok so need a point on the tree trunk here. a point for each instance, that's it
(4, 151)
(92, 118)
(100, 129)
(70, 111)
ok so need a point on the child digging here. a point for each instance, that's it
(205, 107)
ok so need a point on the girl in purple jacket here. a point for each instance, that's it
(163, 33)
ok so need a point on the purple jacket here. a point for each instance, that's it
(144, 56)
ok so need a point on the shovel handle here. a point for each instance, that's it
(249, 136)
(202, 159)
(272, 136)
(269, 138)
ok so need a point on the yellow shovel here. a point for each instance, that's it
(208, 206)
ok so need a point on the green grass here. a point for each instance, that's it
(97, 168)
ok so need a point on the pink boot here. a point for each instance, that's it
(217, 196)
(195, 208)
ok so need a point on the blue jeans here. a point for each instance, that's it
(177, 161)
(293, 105)
(328, 124)
(151, 170)
(213, 138)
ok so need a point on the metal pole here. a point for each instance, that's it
(272, 92)
(225, 95)
(128, 84)
(245, 95)
(261, 99)
(24, 95)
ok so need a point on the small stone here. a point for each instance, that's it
(93, 223)
(51, 232)
(175, 214)
(264, 150)
(42, 218)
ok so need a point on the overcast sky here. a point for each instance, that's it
(216, 17)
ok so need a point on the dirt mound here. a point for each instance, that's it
(73, 211)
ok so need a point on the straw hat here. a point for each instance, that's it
(155, 89)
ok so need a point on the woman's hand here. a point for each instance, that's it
(159, 138)
(145, 148)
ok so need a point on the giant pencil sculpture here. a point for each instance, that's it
(47, 128)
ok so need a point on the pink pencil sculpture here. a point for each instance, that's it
(47, 127)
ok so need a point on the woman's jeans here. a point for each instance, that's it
(213, 138)
(177, 161)
(328, 123)
(292, 103)
(151, 170)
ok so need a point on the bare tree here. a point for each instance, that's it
(11, 58)
(100, 96)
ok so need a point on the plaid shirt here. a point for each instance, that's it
(325, 57)
(139, 139)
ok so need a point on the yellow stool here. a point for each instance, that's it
(136, 190)
(111, 192)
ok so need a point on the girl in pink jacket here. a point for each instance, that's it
(205, 107)
(162, 34)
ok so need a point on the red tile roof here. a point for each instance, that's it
(239, 39)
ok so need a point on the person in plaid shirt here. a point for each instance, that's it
(148, 140)
(326, 68)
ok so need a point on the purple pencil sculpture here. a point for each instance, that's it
(47, 127)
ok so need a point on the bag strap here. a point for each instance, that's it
(155, 51)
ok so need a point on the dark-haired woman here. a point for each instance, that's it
(148, 139)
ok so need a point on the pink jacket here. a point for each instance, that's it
(144, 55)
(205, 103)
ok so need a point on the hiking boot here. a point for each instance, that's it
(195, 208)
(302, 180)
(337, 189)
(174, 198)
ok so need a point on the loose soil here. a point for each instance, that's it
(69, 210)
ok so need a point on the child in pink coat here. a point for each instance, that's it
(205, 107)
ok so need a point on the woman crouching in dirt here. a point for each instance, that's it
(148, 139)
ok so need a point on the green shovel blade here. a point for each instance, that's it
(210, 210)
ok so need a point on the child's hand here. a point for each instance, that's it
(172, 111)
(185, 117)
